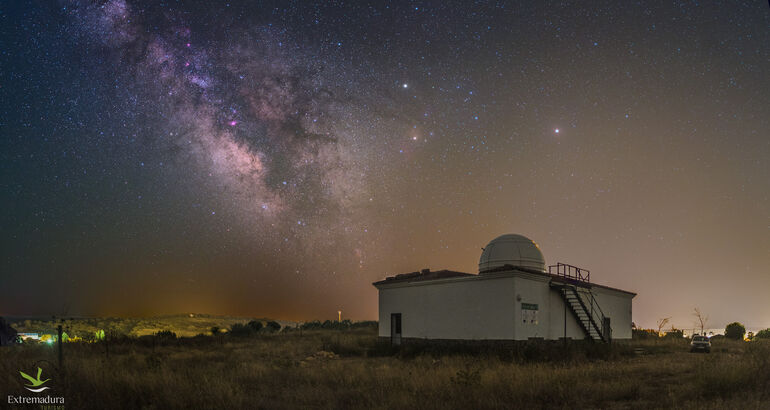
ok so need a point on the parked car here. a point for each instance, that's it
(700, 344)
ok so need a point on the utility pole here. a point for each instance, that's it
(61, 356)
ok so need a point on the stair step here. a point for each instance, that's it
(585, 314)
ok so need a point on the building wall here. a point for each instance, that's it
(492, 307)
(617, 306)
(557, 318)
(535, 289)
(474, 309)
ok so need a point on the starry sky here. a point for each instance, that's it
(276, 158)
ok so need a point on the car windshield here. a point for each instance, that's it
(699, 338)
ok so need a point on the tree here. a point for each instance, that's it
(255, 325)
(662, 323)
(763, 334)
(215, 330)
(735, 331)
(8, 335)
(701, 320)
(273, 326)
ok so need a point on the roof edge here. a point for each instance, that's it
(427, 275)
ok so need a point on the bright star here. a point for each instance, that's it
(406, 85)
(556, 130)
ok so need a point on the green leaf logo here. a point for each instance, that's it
(35, 382)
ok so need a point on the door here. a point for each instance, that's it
(607, 329)
(395, 328)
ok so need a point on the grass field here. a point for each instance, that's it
(351, 369)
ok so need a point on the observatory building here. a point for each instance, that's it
(513, 297)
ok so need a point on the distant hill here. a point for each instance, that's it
(184, 325)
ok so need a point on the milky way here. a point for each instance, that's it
(275, 158)
(256, 111)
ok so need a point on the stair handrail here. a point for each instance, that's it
(593, 303)
(570, 272)
(594, 312)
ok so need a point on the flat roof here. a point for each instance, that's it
(427, 275)
(421, 276)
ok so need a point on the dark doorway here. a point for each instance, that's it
(395, 328)
(607, 329)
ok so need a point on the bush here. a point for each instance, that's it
(735, 331)
(215, 330)
(643, 334)
(255, 325)
(165, 334)
(241, 330)
(763, 334)
(674, 334)
(364, 324)
(273, 326)
(335, 325)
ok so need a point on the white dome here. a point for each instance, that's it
(514, 250)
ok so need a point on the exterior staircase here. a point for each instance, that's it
(572, 283)
(586, 310)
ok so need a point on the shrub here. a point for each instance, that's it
(241, 330)
(215, 330)
(643, 334)
(255, 325)
(165, 334)
(467, 377)
(335, 325)
(273, 326)
(311, 325)
(674, 334)
(364, 324)
(735, 331)
(763, 334)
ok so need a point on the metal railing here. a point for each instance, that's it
(570, 272)
(592, 308)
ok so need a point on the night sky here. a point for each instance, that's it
(274, 159)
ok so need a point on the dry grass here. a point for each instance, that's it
(334, 369)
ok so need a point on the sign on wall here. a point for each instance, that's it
(529, 313)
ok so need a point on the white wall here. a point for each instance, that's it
(486, 307)
(472, 308)
(616, 306)
(557, 316)
(534, 289)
